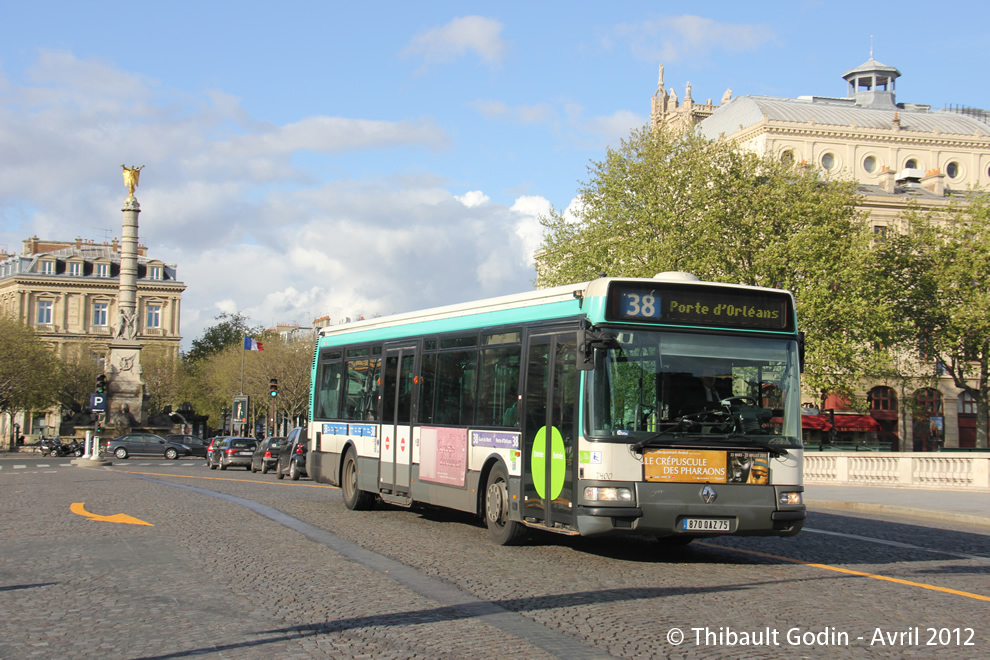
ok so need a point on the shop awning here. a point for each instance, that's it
(856, 423)
(842, 423)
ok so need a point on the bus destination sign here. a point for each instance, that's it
(720, 307)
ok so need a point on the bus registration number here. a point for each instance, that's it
(705, 525)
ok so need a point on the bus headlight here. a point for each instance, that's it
(790, 497)
(599, 494)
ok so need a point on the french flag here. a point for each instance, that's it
(252, 345)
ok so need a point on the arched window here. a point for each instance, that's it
(882, 398)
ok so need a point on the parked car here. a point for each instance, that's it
(137, 444)
(292, 455)
(233, 451)
(184, 445)
(266, 455)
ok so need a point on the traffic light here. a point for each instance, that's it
(273, 387)
(101, 384)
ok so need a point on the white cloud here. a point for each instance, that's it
(672, 38)
(449, 42)
(250, 227)
(472, 198)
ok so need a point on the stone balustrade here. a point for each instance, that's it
(936, 470)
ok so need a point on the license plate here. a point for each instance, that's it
(705, 525)
(243, 453)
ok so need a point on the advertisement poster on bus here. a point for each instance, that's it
(443, 455)
(706, 466)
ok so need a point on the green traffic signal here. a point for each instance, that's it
(101, 384)
(273, 387)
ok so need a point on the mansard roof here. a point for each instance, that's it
(745, 111)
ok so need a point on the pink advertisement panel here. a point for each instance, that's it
(443, 456)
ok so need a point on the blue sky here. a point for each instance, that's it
(305, 159)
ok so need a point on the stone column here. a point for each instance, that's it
(124, 372)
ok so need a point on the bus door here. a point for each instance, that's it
(398, 384)
(549, 429)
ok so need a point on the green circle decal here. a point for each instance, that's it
(558, 462)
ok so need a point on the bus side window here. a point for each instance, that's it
(361, 397)
(328, 401)
(427, 388)
(456, 375)
(498, 390)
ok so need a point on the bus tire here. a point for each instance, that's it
(502, 530)
(354, 498)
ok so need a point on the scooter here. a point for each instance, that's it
(57, 448)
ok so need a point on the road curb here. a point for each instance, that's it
(905, 511)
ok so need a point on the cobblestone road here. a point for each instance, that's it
(239, 565)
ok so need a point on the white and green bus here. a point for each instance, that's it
(663, 406)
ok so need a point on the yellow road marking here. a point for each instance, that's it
(247, 481)
(79, 509)
(826, 567)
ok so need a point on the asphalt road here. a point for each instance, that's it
(239, 565)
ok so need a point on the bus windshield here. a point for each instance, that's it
(653, 385)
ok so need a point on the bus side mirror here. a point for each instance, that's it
(587, 342)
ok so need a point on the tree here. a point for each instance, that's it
(666, 201)
(161, 374)
(77, 381)
(29, 371)
(229, 330)
(936, 275)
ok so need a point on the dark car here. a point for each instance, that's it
(292, 455)
(137, 444)
(232, 451)
(266, 455)
(184, 445)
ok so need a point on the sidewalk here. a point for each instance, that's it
(963, 507)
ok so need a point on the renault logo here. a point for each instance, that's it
(708, 494)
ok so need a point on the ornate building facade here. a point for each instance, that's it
(68, 293)
(898, 153)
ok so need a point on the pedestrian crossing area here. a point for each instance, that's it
(6, 466)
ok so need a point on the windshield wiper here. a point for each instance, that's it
(672, 427)
(773, 449)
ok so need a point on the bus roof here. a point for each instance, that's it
(556, 302)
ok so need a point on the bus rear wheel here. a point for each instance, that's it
(503, 531)
(354, 498)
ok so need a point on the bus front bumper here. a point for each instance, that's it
(682, 509)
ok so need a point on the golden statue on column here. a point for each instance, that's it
(131, 176)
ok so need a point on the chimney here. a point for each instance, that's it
(78, 243)
(934, 181)
(887, 180)
(115, 245)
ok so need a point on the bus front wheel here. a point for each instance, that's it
(503, 531)
(354, 499)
